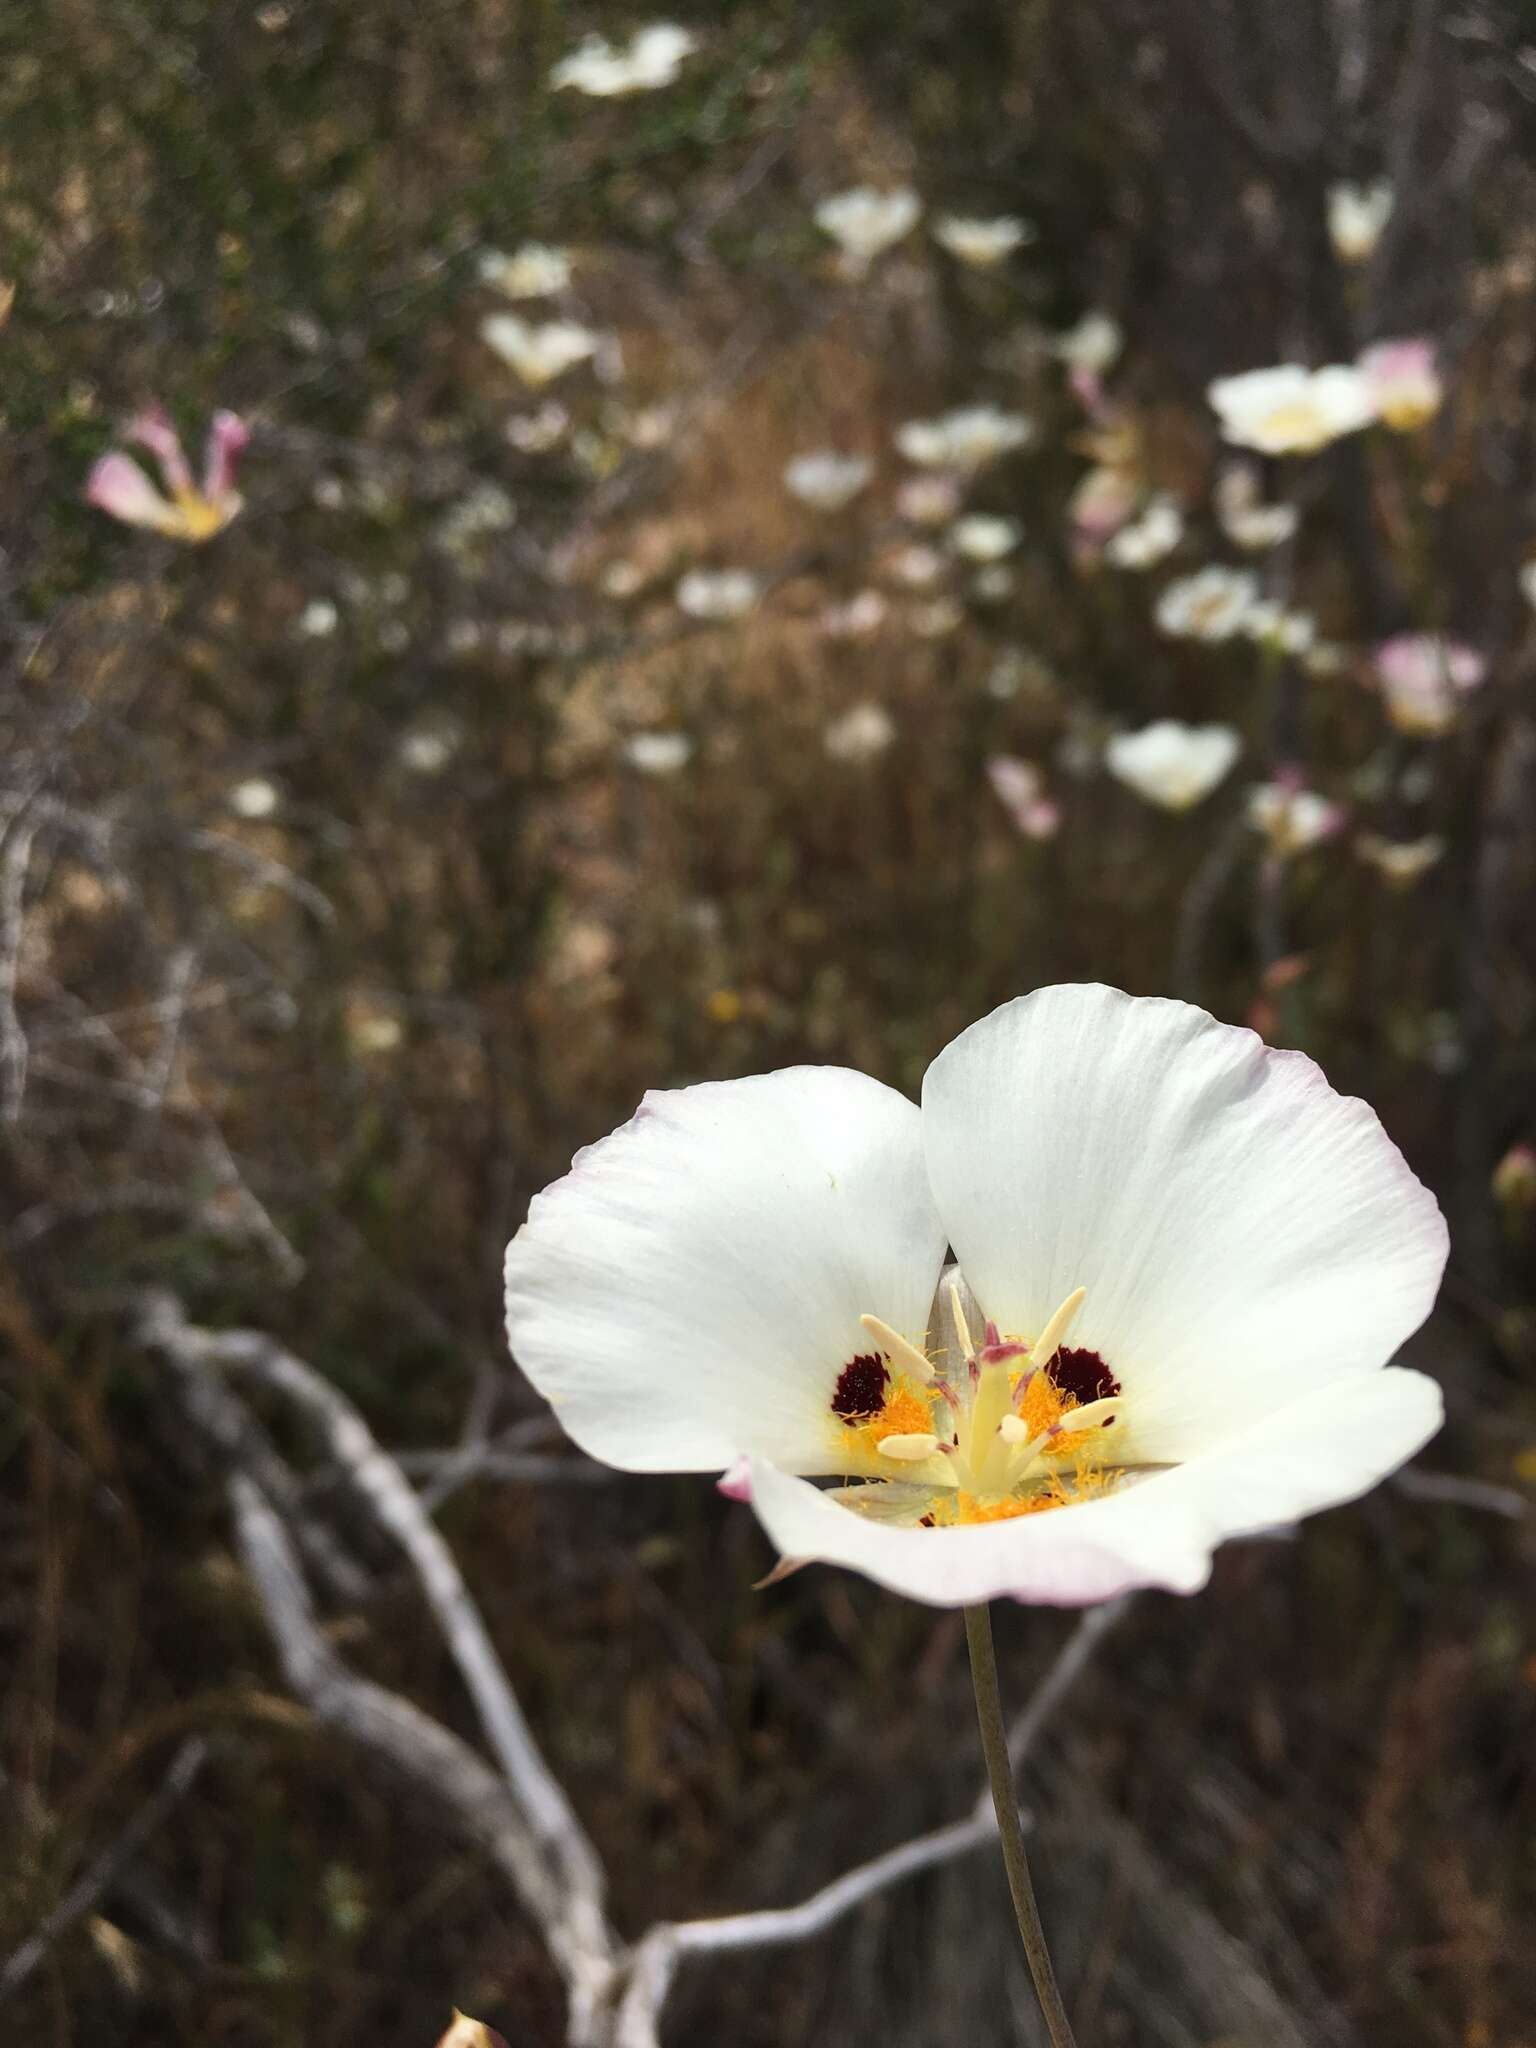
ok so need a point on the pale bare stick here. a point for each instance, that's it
(381, 1482)
(653, 1961)
(485, 1806)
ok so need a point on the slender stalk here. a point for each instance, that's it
(1005, 1801)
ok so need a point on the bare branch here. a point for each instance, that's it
(484, 1805)
(381, 1482)
(654, 1959)
(108, 1867)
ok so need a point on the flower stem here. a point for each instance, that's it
(1005, 1801)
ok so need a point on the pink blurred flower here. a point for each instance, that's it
(184, 510)
(1423, 677)
(1104, 500)
(1020, 788)
(1404, 383)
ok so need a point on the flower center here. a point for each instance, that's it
(1017, 1428)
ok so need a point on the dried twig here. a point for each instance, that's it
(107, 1868)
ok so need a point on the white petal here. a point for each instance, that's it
(692, 1289)
(1244, 1233)
(1159, 1531)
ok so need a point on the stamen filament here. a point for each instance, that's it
(962, 1332)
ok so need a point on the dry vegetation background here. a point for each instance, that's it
(305, 1069)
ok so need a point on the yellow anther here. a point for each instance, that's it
(1050, 1337)
(905, 1355)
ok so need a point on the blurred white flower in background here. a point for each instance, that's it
(982, 243)
(1020, 788)
(539, 352)
(992, 584)
(967, 439)
(935, 621)
(717, 594)
(1092, 346)
(1527, 580)
(318, 619)
(1244, 518)
(984, 537)
(1402, 862)
(916, 565)
(532, 272)
(860, 733)
(1404, 381)
(658, 753)
(1289, 410)
(1149, 538)
(1103, 500)
(863, 614)
(1357, 215)
(651, 58)
(826, 480)
(865, 223)
(429, 749)
(934, 501)
(1423, 678)
(1291, 817)
(1172, 764)
(535, 433)
(256, 797)
(1273, 624)
(1210, 605)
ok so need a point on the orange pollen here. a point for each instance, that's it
(904, 1414)
(969, 1509)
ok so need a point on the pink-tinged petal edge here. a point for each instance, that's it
(1159, 1532)
(228, 438)
(119, 487)
(152, 429)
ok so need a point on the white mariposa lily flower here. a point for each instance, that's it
(1292, 818)
(1243, 516)
(651, 58)
(826, 480)
(1357, 215)
(535, 271)
(1405, 383)
(1156, 532)
(1290, 410)
(983, 244)
(539, 351)
(1423, 678)
(1401, 862)
(865, 223)
(1092, 346)
(1213, 604)
(187, 510)
(1172, 764)
(860, 734)
(717, 594)
(985, 536)
(965, 440)
(1184, 1264)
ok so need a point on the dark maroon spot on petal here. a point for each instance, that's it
(861, 1387)
(1082, 1374)
(925, 1521)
